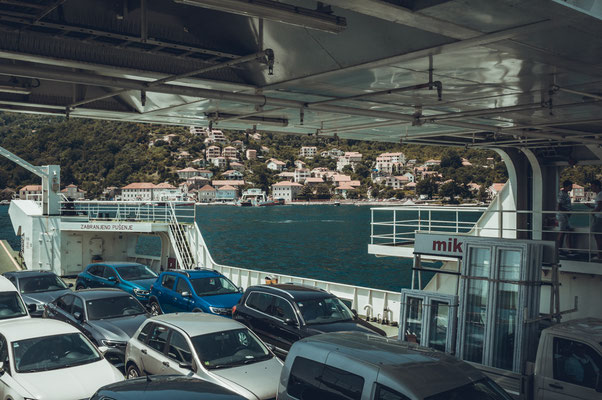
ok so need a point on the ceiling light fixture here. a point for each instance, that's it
(275, 11)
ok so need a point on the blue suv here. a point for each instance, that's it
(133, 278)
(193, 290)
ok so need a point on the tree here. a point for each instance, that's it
(306, 193)
(451, 159)
(427, 187)
(322, 191)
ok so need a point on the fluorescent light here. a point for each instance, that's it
(275, 11)
(14, 89)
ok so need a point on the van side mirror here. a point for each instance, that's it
(112, 279)
(185, 365)
(185, 294)
(290, 322)
(70, 285)
(32, 308)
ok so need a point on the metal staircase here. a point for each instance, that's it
(178, 238)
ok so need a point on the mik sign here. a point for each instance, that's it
(439, 244)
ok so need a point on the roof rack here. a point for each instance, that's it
(181, 271)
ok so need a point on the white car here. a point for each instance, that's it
(12, 306)
(44, 359)
(216, 349)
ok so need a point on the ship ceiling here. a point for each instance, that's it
(473, 73)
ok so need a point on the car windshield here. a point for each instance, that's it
(53, 352)
(212, 286)
(484, 389)
(41, 283)
(135, 272)
(229, 348)
(113, 307)
(324, 310)
(11, 305)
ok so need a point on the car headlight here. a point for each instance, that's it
(221, 310)
(113, 343)
(140, 292)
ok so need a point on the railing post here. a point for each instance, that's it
(500, 216)
(457, 217)
(394, 227)
(371, 225)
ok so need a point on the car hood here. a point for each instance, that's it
(222, 300)
(43, 297)
(342, 326)
(258, 378)
(79, 382)
(121, 328)
(143, 283)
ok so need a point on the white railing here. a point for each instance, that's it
(141, 211)
(396, 226)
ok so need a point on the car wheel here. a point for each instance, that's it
(197, 310)
(155, 308)
(80, 287)
(132, 372)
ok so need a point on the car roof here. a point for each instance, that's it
(419, 370)
(34, 327)
(296, 292)
(6, 285)
(195, 324)
(583, 327)
(193, 273)
(93, 294)
(157, 387)
(28, 273)
(114, 263)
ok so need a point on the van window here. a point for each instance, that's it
(385, 393)
(312, 380)
(259, 301)
(576, 363)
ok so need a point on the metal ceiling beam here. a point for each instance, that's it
(268, 53)
(401, 15)
(436, 50)
(23, 4)
(48, 10)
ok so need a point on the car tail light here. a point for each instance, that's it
(151, 288)
(233, 310)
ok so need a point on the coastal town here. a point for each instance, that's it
(247, 172)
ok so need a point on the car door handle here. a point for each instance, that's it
(555, 386)
(165, 363)
(143, 351)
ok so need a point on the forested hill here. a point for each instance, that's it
(95, 154)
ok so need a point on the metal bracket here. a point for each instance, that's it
(269, 53)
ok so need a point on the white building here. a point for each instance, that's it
(206, 194)
(213, 151)
(348, 159)
(286, 190)
(301, 175)
(188, 173)
(230, 152)
(138, 191)
(299, 164)
(166, 192)
(392, 157)
(388, 167)
(195, 130)
(73, 192)
(216, 136)
(220, 162)
(275, 165)
(308, 151)
(251, 154)
(232, 175)
(410, 176)
(333, 153)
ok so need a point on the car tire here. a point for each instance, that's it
(132, 371)
(155, 308)
(197, 310)
(80, 287)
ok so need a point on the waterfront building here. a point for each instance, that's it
(73, 192)
(308, 151)
(206, 194)
(301, 175)
(286, 190)
(188, 173)
(339, 178)
(275, 165)
(578, 193)
(111, 193)
(167, 192)
(197, 182)
(213, 151)
(251, 154)
(344, 189)
(138, 191)
(30, 192)
(314, 181)
(220, 183)
(226, 193)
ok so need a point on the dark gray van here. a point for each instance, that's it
(358, 366)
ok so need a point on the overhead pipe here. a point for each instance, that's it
(556, 88)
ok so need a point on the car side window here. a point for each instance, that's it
(168, 281)
(78, 306)
(179, 349)
(259, 301)
(96, 270)
(282, 309)
(576, 363)
(109, 272)
(145, 332)
(3, 351)
(65, 302)
(312, 380)
(182, 286)
(385, 393)
(158, 338)
(13, 280)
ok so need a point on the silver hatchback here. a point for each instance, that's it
(209, 347)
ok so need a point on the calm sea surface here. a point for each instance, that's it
(322, 242)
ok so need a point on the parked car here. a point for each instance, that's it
(282, 314)
(354, 365)
(155, 388)
(38, 288)
(108, 317)
(209, 347)
(12, 305)
(50, 360)
(193, 290)
(133, 278)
